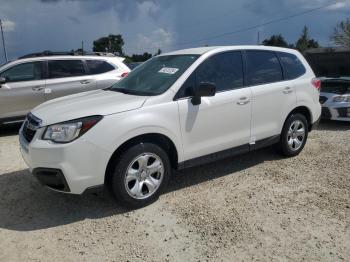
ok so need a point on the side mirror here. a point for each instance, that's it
(2, 81)
(204, 89)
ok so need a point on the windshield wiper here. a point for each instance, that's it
(130, 92)
(122, 90)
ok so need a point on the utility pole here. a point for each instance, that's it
(3, 40)
(258, 37)
(82, 47)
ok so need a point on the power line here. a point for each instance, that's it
(241, 30)
(255, 26)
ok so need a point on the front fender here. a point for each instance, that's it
(114, 130)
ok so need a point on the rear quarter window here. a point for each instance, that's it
(99, 67)
(292, 66)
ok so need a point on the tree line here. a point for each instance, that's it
(340, 37)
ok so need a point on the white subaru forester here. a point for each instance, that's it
(175, 111)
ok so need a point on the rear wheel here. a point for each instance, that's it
(294, 135)
(140, 175)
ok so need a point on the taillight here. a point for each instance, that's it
(316, 83)
(124, 74)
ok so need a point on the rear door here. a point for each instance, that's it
(66, 77)
(23, 90)
(273, 97)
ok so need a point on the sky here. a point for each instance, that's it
(146, 25)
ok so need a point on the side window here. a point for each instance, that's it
(24, 72)
(262, 67)
(292, 66)
(225, 70)
(65, 68)
(98, 67)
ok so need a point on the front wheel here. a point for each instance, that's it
(140, 175)
(294, 135)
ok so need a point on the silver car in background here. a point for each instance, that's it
(28, 82)
(332, 67)
(335, 98)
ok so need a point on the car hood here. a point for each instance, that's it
(338, 86)
(99, 102)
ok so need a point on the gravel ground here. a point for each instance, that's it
(257, 206)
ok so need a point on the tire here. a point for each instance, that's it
(140, 175)
(294, 135)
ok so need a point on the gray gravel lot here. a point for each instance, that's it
(257, 206)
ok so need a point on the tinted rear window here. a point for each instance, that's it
(98, 67)
(263, 67)
(292, 66)
(65, 68)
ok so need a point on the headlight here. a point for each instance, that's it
(68, 131)
(344, 98)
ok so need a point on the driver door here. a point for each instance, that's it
(220, 122)
(24, 89)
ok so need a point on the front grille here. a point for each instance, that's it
(30, 126)
(323, 99)
(344, 112)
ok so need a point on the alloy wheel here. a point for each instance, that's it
(144, 175)
(296, 135)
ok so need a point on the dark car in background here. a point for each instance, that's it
(332, 66)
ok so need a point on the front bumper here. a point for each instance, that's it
(70, 168)
(336, 113)
(52, 178)
(334, 110)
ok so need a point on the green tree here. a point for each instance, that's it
(304, 42)
(341, 34)
(110, 43)
(158, 52)
(276, 40)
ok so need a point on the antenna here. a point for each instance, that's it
(3, 41)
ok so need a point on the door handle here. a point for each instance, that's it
(37, 88)
(287, 90)
(243, 101)
(85, 82)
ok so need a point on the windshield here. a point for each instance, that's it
(155, 76)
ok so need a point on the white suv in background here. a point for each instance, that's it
(28, 82)
(175, 111)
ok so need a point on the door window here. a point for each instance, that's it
(98, 67)
(24, 72)
(263, 67)
(225, 70)
(65, 68)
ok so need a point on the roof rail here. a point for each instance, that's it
(72, 53)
